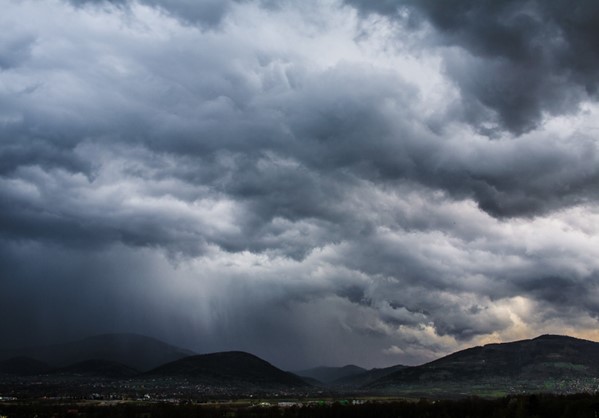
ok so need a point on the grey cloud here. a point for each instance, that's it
(306, 155)
(207, 13)
(322, 133)
(246, 193)
(464, 325)
(524, 59)
(98, 2)
(14, 50)
(567, 293)
(415, 289)
(203, 13)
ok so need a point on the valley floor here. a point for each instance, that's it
(539, 406)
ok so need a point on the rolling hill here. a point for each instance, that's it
(228, 369)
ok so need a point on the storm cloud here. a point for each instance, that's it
(517, 62)
(314, 182)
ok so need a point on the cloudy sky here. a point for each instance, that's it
(314, 181)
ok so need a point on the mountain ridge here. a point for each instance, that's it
(537, 363)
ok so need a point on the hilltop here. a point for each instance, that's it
(234, 369)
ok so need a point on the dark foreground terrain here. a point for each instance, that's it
(548, 364)
(530, 406)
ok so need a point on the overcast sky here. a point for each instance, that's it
(314, 181)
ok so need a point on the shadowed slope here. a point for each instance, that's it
(537, 361)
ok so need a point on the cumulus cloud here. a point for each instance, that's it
(295, 178)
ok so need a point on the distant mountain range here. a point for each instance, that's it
(127, 356)
(345, 378)
(136, 351)
(330, 374)
(549, 363)
(366, 377)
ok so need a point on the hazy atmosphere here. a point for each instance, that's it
(315, 181)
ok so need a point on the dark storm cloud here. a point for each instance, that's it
(14, 50)
(522, 59)
(419, 279)
(204, 13)
(263, 195)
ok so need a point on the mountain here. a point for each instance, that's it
(548, 362)
(23, 366)
(311, 381)
(228, 369)
(136, 351)
(330, 374)
(96, 368)
(366, 377)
